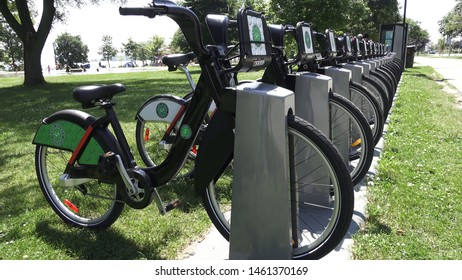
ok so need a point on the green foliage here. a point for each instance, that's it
(107, 50)
(451, 24)
(11, 48)
(417, 36)
(352, 16)
(132, 49)
(179, 43)
(70, 50)
(204, 7)
(154, 46)
(382, 12)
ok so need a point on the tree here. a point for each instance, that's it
(179, 43)
(450, 26)
(417, 36)
(441, 45)
(356, 16)
(33, 39)
(204, 7)
(11, 49)
(107, 50)
(70, 50)
(382, 12)
(131, 49)
(142, 52)
(154, 45)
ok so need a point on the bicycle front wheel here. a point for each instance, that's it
(318, 223)
(370, 107)
(155, 135)
(352, 135)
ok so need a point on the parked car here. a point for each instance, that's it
(129, 64)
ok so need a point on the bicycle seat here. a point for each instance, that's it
(173, 60)
(88, 95)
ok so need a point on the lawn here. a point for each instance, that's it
(414, 210)
(29, 228)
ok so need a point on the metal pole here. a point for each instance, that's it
(405, 7)
(404, 35)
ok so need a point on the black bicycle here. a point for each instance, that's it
(87, 174)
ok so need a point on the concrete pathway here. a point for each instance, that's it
(450, 69)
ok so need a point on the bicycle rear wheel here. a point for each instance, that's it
(92, 204)
(317, 228)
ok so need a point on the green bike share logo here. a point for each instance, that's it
(185, 131)
(162, 110)
(307, 40)
(257, 36)
(57, 134)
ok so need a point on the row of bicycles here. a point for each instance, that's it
(88, 173)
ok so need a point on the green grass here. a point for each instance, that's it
(414, 209)
(29, 229)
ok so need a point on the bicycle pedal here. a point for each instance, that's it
(172, 205)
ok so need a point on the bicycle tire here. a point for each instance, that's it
(378, 92)
(384, 83)
(370, 107)
(94, 204)
(217, 195)
(350, 127)
(390, 76)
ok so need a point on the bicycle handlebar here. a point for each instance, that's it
(148, 12)
(184, 17)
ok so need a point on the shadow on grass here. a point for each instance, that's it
(416, 72)
(87, 244)
(24, 107)
(375, 226)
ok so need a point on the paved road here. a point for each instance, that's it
(450, 69)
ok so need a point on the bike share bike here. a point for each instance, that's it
(88, 174)
(349, 128)
(325, 52)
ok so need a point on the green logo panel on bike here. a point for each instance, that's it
(66, 135)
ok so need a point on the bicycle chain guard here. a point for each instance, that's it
(134, 186)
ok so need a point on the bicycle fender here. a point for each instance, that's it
(64, 130)
(161, 108)
(215, 151)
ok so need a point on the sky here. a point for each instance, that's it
(92, 22)
(428, 13)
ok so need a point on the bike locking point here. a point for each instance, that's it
(340, 125)
(260, 199)
(312, 104)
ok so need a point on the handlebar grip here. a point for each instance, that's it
(149, 12)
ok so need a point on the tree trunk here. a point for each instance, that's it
(33, 74)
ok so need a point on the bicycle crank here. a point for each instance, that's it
(135, 188)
